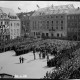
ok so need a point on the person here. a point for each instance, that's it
(20, 59)
(40, 55)
(34, 54)
(47, 57)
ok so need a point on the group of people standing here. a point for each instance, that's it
(21, 59)
(42, 54)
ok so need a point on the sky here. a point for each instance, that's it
(27, 6)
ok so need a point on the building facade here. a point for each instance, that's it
(9, 24)
(73, 25)
(25, 22)
(54, 22)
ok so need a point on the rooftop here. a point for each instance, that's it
(7, 11)
(62, 9)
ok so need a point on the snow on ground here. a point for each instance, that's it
(32, 68)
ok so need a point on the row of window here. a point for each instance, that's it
(47, 34)
(54, 16)
(72, 29)
(5, 23)
(73, 17)
(51, 16)
(5, 16)
(12, 37)
(15, 24)
(14, 30)
(42, 23)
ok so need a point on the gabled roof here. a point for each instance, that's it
(54, 10)
(8, 11)
(74, 11)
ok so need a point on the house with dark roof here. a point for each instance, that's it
(54, 22)
(9, 24)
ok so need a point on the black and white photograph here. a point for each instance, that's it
(40, 39)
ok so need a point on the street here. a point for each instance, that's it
(32, 68)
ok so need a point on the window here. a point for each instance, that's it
(1, 23)
(61, 35)
(14, 31)
(61, 28)
(61, 16)
(51, 16)
(61, 22)
(56, 16)
(58, 35)
(52, 23)
(14, 24)
(56, 22)
(38, 24)
(33, 24)
(40, 13)
(79, 16)
(68, 17)
(52, 28)
(72, 17)
(11, 24)
(1, 16)
(56, 27)
(47, 34)
(47, 24)
(27, 24)
(5, 23)
(52, 34)
(47, 16)
(17, 30)
(17, 24)
(34, 33)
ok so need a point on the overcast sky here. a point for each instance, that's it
(27, 6)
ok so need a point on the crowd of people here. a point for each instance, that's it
(59, 48)
(68, 68)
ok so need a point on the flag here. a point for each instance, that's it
(38, 6)
(19, 8)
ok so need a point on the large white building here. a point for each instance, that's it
(10, 22)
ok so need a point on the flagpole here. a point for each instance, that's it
(19, 9)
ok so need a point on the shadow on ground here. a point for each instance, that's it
(31, 60)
